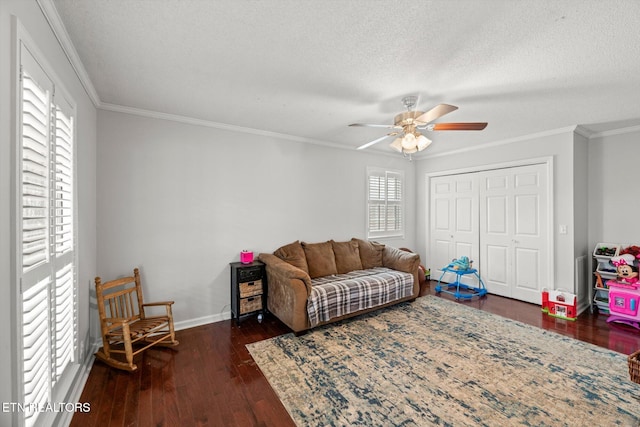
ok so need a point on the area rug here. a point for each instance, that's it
(436, 362)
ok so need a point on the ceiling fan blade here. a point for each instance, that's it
(457, 126)
(435, 113)
(371, 126)
(375, 141)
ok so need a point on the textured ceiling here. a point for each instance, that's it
(309, 68)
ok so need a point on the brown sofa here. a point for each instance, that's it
(295, 269)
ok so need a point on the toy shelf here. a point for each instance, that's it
(603, 252)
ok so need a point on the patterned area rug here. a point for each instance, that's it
(434, 362)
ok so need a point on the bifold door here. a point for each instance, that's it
(499, 218)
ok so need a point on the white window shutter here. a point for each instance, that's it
(36, 348)
(46, 206)
(63, 149)
(385, 203)
(35, 173)
(64, 325)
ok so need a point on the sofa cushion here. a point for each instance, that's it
(370, 253)
(344, 294)
(320, 259)
(294, 255)
(347, 256)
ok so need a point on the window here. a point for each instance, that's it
(46, 236)
(385, 203)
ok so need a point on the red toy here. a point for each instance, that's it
(559, 304)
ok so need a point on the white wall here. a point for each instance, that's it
(614, 197)
(33, 21)
(181, 201)
(559, 146)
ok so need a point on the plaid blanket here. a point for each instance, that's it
(340, 294)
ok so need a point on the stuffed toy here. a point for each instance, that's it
(463, 263)
(627, 272)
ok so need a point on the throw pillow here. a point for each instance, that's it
(347, 256)
(320, 259)
(294, 255)
(370, 253)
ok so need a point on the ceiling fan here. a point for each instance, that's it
(410, 122)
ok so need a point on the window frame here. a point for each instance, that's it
(60, 268)
(385, 203)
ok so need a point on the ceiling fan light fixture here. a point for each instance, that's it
(423, 142)
(409, 141)
(410, 150)
(397, 144)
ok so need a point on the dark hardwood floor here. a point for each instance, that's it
(211, 380)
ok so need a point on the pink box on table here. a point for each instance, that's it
(246, 257)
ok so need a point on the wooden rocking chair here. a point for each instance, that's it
(124, 323)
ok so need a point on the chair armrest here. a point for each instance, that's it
(166, 304)
(150, 304)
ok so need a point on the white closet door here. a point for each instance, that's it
(513, 231)
(454, 222)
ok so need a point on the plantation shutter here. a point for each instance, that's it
(36, 346)
(377, 197)
(46, 236)
(64, 297)
(64, 181)
(35, 172)
(384, 203)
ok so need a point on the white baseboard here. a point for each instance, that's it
(192, 323)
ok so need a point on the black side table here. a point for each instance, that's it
(248, 290)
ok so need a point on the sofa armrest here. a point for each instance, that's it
(399, 260)
(287, 292)
(281, 271)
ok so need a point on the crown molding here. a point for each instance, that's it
(52, 16)
(222, 126)
(583, 132)
(502, 142)
(613, 132)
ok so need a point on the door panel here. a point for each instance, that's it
(440, 256)
(496, 215)
(522, 203)
(454, 222)
(464, 215)
(494, 272)
(526, 269)
(530, 240)
(442, 210)
(527, 212)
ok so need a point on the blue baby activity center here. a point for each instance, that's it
(461, 267)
